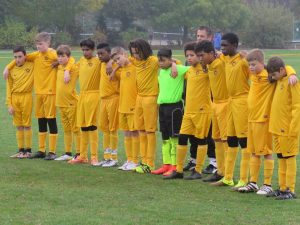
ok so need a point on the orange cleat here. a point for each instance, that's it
(78, 160)
(170, 171)
(162, 169)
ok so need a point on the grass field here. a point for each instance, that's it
(40, 192)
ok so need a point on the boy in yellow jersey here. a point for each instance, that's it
(88, 103)
(128, 93)
(109, 104)
(45, 90)
(66, 100)
(285, 127)
(237, 81)
(216, 71)
(19, 100)
(197, 115)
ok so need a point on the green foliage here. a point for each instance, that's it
(132, 33)
(61, 38)
(99, 36)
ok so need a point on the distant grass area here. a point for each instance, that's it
(40, 192)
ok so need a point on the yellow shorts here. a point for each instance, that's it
(219, 120)
(259, 138)
(196, 124)
(22, 105)
(109, 113)
(287, 146)
(126, 121)
(146, 110)
(237, 122)
(45, 106)
(68, 118)
(88, 109)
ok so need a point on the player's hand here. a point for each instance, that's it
(5, 73)
(67, 77)
(109, 68)
(54, 65)
(174, 71)
(11, 110)
(243, 54)
(293, 79)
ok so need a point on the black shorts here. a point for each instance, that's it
(170, 118)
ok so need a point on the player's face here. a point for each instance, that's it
(135, 53)
(191, 57)
(202, 36)
(164, 62)
(205, 58)
(63, 59)
(87, 52)
(255, 67)
(19, 58)
(120, 59)
(103, 55)
(228, 48)
(278, 74)
(42, 46)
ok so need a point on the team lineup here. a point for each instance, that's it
(220, 102)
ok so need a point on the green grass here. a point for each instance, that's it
(39, 192)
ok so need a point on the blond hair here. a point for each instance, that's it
(117, 51)
(256, 54)
(43, 36)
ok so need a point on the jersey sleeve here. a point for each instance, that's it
(8, 92)
(295, 120)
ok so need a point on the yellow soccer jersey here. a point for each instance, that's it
(89, 74)
(285, 109)
(66, 95)
(20, 80)
(108, 87)
(146, 76)
(198, 99)
(217, 79)
(237, 75)
(128, 89)
(260, 97)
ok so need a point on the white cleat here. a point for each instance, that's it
(110, 163)
(64, 157)
(131, 166)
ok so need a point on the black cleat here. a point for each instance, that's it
(274, 193)
(286, 195)
(194, 176)
(174, 175)
(190, 166)
(38, 155)
(210, 169)
(213, 178)
(50, 156)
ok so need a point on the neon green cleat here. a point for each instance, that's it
(223, 182)
(239, 185)
(143, 168)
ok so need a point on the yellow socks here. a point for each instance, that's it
(230, 163)
(268, 171)
(143, 146)
(114, 145)
(93, 135)
(255, 163)
(181, 154)
(201, 154)
(52, 142)
(42, 141)
(135, 148)
(151, 148)
(20, 139)
(106, 140)
(282, 174)
(244, 166)
(128, 147)
(77, 137)
(291, 169)
(28, 138)
(220, 157)
(68, 141)
(84, 145)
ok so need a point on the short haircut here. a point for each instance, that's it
(190, 46)
(43, 36)
(256, 54)
(274, 64)
(205, 46)
(104, 46)
(117, 51)
(143, 48)
(164, 52)
(232, 38)
(64, 50)
(19, 49)
(88, 43)
(208, 30)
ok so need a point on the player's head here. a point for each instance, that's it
(164, 56)
(256, 60)
(140, 49)
(19, 55)
(204, 33)
(276, 68)
(190, 55)
(42, 41)
(229, 44)
(87, 47)
(205, 51)
(119, 55)
(63, 54)
(103, 52)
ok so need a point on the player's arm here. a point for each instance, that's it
(295, 120)
(8, 96)
(291, 73)
(68, 68)
(115, 74)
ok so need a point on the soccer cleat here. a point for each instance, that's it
(213, 178)
(22, 155)
(194, 176)
(123, 166)
(94, 162)
(274, 193)
(38, 155)
(101, 163)
(250, 187)
(190, 166)
(17, 155)
(27, 155)
(162, 169)
(264, 190)
(76, 155)
(78, 160)
(130, 166)
(143, 168)
(286, 195)
(64, 157)
(170, 171)
(223, 182)
(50, 156)
(210, 169)
(110, 163)
(174, 175)
(238, 185)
